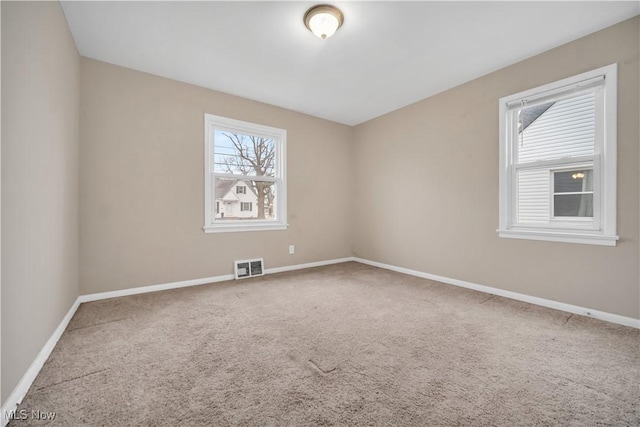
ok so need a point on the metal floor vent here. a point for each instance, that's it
(249, 268)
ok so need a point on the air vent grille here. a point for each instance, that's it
(249, 268)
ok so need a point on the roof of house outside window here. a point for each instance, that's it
(531, 114)
(223, 186)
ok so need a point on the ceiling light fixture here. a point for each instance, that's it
(323, 20)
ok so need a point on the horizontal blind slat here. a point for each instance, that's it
(533, 196)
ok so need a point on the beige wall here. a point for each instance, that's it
(142, 191)
(40, 98)
(427, 180)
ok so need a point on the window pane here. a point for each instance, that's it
(557, 129)
(573, 205)
(573, 181)
(257, 202)
(240, 154)
(533, 196)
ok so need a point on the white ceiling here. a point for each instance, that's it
(385, 56)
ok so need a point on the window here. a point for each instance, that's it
(558, 160)
(244, 168)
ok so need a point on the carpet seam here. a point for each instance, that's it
(72, 379)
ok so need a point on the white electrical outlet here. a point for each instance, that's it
(292, 249)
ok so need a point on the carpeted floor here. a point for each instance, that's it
(346, 344)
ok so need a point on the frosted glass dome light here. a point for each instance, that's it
(323, 20)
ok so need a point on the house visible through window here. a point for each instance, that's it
(244, 169)
(558, 161)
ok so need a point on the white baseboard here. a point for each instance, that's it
(307, 265)
(203, 281)
(154, 288)
(596, 314)
(18, 393)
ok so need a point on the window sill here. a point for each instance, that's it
(560, 236)
(235, 228)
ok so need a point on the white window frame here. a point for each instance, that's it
(241, 187)
(279, 136)
(600, 231)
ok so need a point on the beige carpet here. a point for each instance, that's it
(346, 344)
